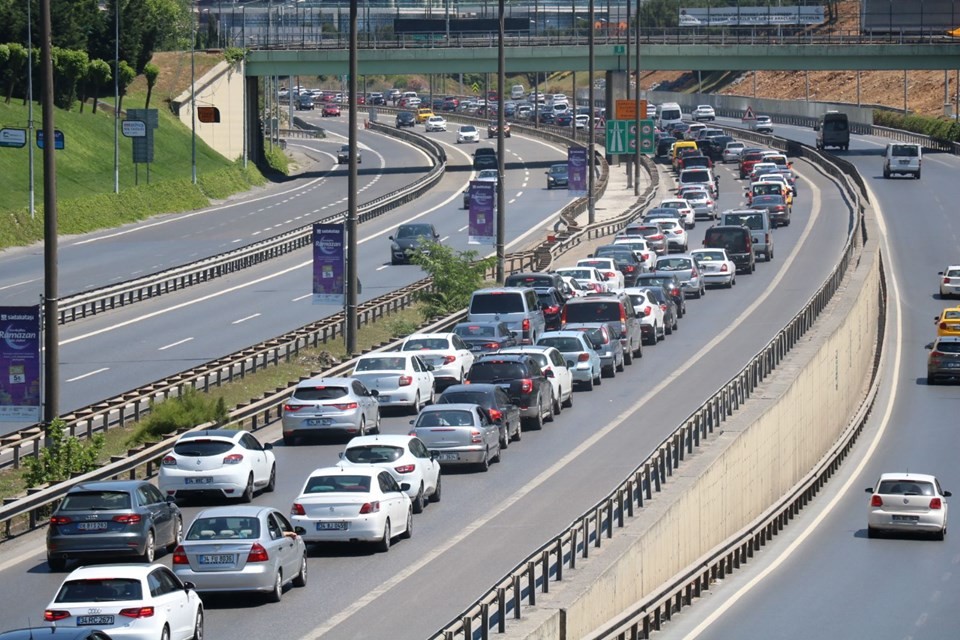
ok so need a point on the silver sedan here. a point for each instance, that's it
(716, 267)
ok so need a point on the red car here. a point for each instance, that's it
(331, 109)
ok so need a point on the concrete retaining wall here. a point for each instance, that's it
(221, 87)
(766, 106)
(780, 434)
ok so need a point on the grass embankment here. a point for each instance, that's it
(85, 169)
(118, 441)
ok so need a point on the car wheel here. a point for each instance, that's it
(247, 494)
(619, 368)
(872, 533)
(177, 535)
(149, 548)
(769, 256)
(550, 411)
(300, 580)
(198, 625)
(505, 440)
(418, 501)
(536, 423)
(484, 465)
(499, 456)
(627, 357)
(918, 175)
(732, 283)
(668, 330)
(272, 482)
(408, 532)
(518, 434)
(289, 441)
(383, 545)
(608, 372)
(56, 564)
(376, 422)
(165, 634)
(569, 401)
(557, 405)
(363, 427)
(436, 495)
(415, 407)
(940, 535)
(276, 594)
(931, 381)
(598, 379)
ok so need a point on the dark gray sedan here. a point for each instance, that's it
(557, 176)
(410, 239)
(112, 518)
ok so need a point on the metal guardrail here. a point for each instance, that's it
(534, 574)
(88, 303)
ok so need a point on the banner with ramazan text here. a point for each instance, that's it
(20, 364)
(329, 247)
(483, 199)
(577, 171)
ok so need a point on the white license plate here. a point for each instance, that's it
(91, 526)
(331, 526)
(382, 398)
(319, 422)
(98, 621)
(904, 162)
(219, 558)
(476, 348)
(906, 518)
(449, 456)
(201, 480)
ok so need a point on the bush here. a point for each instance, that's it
(277, 159)
(188, 410)
(63, 457)
(456, 275)
(401, 328)
(942, 129)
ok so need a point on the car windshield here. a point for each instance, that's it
(202, 447)
(224, 528)
(766, 188)
(100, 590)
(496, 371)
(425, 344)
(465, 397)
(414, 230)
(561, 344)
(475, 331)
(95, 501)
(338, 483)
(621, 254)
(373, 453)
(906, 487)
(381, 364)
(468, 129)
(497, 302)
(594, 311)
(597, 264)
(732, 240)
(520, 280)
(445, 419)
(319, 393)
(558, 168)
(695, 176)
(768, 199)
(905, 150)
(487, 174)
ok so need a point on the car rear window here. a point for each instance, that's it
(426, 344)
(373, 453)
(475, 331)
(752, 157)
(382, 364)
(528, 281)
(733, 240)
(694, 176)
(673, 264)
(624, 254)
(948, 347)
(905, 487)
(597, 264)
(445, 419)
(95, 501)
(465, 397)
(100, 590)
(496, 371)
(953, 273)
(338, 483)
(319, 393)
(563, 345)
(905, 150)
(224, 528)
(579, 274)
(199, 448)
(498, 302)
(749, 220)
(594, 311)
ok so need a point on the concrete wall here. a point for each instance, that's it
(221, 87)
(762, 452)
(765, 106)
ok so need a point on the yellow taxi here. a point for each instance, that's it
(770, 188)
(424, 113)
(948, 322)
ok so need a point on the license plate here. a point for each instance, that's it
(90, 621)
(331, 526)
(221, 558)
(383, 398)
(201, 480)
(476, 348)
(906, 518)
(319, 422)
(904, 162)
(449, 456)
(91, 526)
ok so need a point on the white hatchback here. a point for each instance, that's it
(400, 379)
(436, 123)
(907, 502)
(447, 353)
(405, 457)
(468, 133)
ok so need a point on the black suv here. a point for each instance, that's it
(523, 380)
(485, 158)
(406, 119)
(626, 259)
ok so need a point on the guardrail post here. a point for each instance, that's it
(573, 548)
(545, 568)
(516, 597)
(467, 627)
(532, 582)
(501, 610)
(484, 621)
(585, 523)
(559, 559)
(620, 506)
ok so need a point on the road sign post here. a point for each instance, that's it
(15, 138)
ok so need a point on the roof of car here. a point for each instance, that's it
(907, 476)
(111, 485)
(561, 334)
(126, 570)
(394, 439)
(421, 336)
(232, 434)
(314, 382)
(462, 406)
(482, 387)
(234, 511)
(40, 633)
(355, 471)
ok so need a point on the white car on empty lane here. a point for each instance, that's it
(468, 133)
(907, 503)
(400, 379)
(436, 123)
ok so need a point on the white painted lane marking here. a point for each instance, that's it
(175, 344)
(382, 267)
(303, 297)
(19, 284)
(463, 228)
(444, 238)
(87, 375)
(250, 317)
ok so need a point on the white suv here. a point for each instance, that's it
(902, 158)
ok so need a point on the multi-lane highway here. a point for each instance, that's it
(486, 523)
(823, 577)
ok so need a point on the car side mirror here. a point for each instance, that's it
(189, 586)
(374, 393)
(404, 486)
(928, 346)
(171, 499)
(413, 422)
(341, 454)
(430, 367)
(268, 446)
(947, 494)
(549, 374)
(816, 127)
(868, 490)
(299, 531)
(389, 237)
(436, 235)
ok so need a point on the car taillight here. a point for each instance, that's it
(60, 520)
(290, 408)
(552, 309)
(526, 385)
(596, 287)
(406, 381)
(491, 345)
(180, 556)
(345, 406)
(723, 267)
(936, 503)
(525, 325)
(448, 359)
(405, 468)
(297, 510)
(169, 461)
(628, 268)
(644, 256)
(233, 458)
(476, 437)
(678, 231)
(129, 518)
(609, 274)
(943, 325)
(663, 307)
(767, 236)
(694, 273)
(52, 615)
(370, 507)
(647, 311)
(876, 501)
(946, 280)
(496, 415)
(583, 357)
(779, 208)
(137, 612)
(257, 553)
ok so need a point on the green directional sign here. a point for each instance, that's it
(646, 137)
(621, 136)
(619, 49)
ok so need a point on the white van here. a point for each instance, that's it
(670, 113)
(902, 158)
(517, 92)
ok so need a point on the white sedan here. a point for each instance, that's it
(673, 231)
(653, 327)
(731, 152)
(128, 602)
(436, 123)
(685, 211)
(347, 504)
(608, 270)
(226, 462)
(468, 133)
(589, 278)
(640, 248)
(554, 367)
(907, 502)
(447, 353)
(703, 112)
(405, 457)
(400, 379)
(950, 281)
(716, 267)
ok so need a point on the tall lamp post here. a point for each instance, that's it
(591, 148)
(501, 151)
(30, 107)
(116, 98)
(51, 333)
(350, 319)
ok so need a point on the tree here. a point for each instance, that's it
(151, 72)
(456, 275)
(63, 457)
(14, 69)
(97, 76)
(125, 77)
(69, 67)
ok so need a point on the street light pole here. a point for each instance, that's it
(193, 105)
(33, 194)
(350, 319)
(636, 164)
(116, 98)
(501, 150)
(591, 149)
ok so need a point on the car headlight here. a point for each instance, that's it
(394, 246)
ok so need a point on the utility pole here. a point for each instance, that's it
(30, 135)
(116, 98)
(51, 322)
(636, 164)
(591, 160)
(501, 150)
(350, 319)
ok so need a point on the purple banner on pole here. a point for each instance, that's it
(577, 171)
(483, 198)
(329, 246)
(20, 364)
